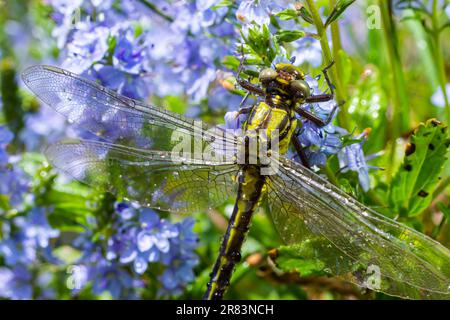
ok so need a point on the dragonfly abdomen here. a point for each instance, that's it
(250, 190)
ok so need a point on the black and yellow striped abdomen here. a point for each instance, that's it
(249, 196)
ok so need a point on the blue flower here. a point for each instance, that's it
(6, 137)
(180, 260)
(35, 226)
(195, 17)
(123, 245)
(234, 120)
(106, 275)
(320, 142)
(308, 50)
(352, 158)
(15, 283)
(44, 281)
(219, 97)
(64, 18)
(14, 183)
(142, 238)
(110, 277)
(130, 85)
(174, 279)
(153, 239)
(254, 11)
(438, 97)
(125, 210)
(45, 126)
(30, 240)
(89, 45)
(130, 52)
(187, 239)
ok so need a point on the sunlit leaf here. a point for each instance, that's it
(445, 210)
(291, 259)
(413, 185)
(367, 107)
(288, 14)
(289, 35)
(338, 10)
(304, 13)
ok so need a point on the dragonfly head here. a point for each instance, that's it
(287, 77)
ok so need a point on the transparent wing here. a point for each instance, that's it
(116, 118)
(353, 241)
(157, 179)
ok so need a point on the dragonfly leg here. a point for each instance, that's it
(300, 150)
(319, 98)
(316, 120)
(325, 96)
(241, 62)
(245, 110)
(244, 100)
(250, 87)
(327, 78)
(247, 85)
(308, 115)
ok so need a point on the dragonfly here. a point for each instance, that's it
(136, 155)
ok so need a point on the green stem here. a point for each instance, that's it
(376, 198)
(330, 175)
(156, 10)
(438, 57)
(399, 121)
(337, 48)
(441, 187)
(437, 230)
(321, 31)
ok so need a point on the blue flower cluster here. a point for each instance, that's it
(26, 235)
(25, 244)
(13, 181)
(136, 48)
(139, 238)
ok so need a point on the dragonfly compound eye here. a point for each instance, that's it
(300, 89)
(267, 75)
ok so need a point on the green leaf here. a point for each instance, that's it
(338, 9)
(289, 35)
(4, 203)
(260, 45)
(223, 3)
(67, 220)
(231, 62)
(9, 93)
(367, 107)
(274, 22)
(305, 15)
(288, 14)
(414, 183)
(445, 210)
(176, 104)
(295, 258)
